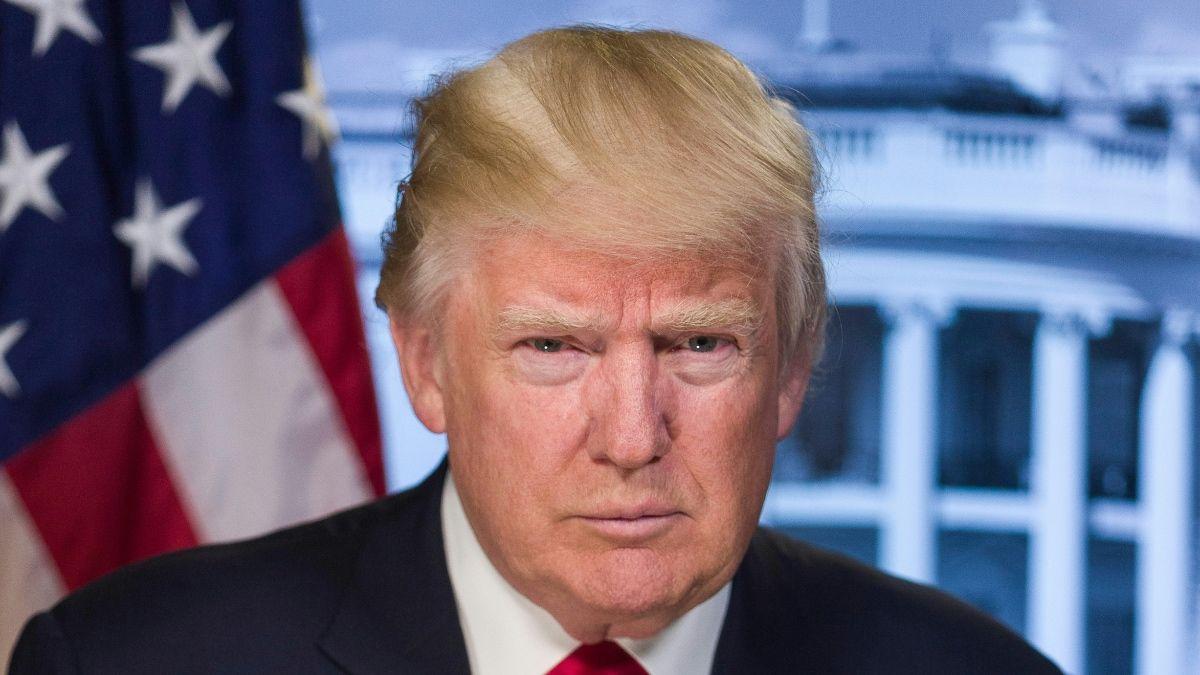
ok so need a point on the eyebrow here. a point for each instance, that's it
(546, 321)
(735, 315)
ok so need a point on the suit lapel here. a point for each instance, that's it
(761, 633)
(397, 614)
(738, 650)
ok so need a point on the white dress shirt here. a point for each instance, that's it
(506, 634)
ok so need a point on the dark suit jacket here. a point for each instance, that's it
(367, 591)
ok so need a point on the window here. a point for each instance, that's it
(1110, 603)
(837, 435)
(1117, 366)
(984, 399)
(861, 543)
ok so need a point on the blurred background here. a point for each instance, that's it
(1011, 203)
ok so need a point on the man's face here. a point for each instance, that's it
(611, 426)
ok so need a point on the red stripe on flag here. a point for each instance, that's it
(319, 286)
(98, 491)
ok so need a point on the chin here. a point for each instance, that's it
(629, 584)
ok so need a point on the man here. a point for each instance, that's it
(605, 287)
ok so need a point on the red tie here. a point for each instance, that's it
(602, 658)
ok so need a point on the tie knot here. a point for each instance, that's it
(602, 658)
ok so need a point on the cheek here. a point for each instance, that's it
(726, 417)
(510, 447)
(728, 435)
(516, 432)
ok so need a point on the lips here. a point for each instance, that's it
(633, 522)
(633, 511)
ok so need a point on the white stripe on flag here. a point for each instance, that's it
(29, 581)
(247, 423)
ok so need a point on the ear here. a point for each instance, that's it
(791, 397)
(421, 372)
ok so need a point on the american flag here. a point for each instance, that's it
(181, 351)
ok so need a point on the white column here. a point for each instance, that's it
(909, 462)
(1165, 491)
(1058, 490)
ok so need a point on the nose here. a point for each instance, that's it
(631, 424)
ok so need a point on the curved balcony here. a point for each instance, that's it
(1004, 176)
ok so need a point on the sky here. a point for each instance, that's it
(366, 39)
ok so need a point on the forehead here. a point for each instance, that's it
(529, 269)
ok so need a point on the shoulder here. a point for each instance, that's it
(309, 556)
(855, 618)
(241, 597)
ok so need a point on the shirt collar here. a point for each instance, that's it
(506, 633)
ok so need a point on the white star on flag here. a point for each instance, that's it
(8, 337)
(308, 103)
(188, 57)
(156, 234)
(25, 177)
(55, 15)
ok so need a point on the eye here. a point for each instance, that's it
(705, 359)
(547, 345)
(546, 361)
(702, 343)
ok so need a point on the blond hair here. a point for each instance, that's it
(668, 129)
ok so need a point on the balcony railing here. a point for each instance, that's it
(890, 170)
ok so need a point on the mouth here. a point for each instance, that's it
(636, 523)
